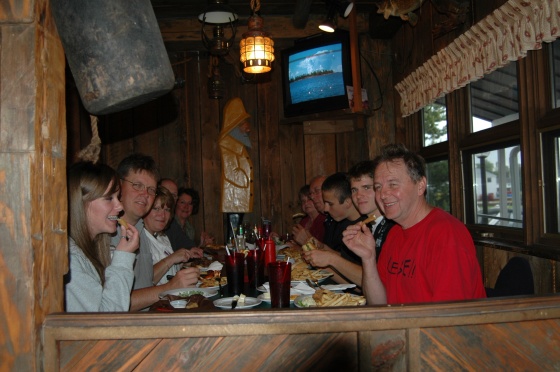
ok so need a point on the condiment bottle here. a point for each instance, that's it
(269, 251)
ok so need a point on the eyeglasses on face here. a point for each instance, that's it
(138, 186)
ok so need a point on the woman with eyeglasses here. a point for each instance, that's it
(166, 261)
(96, 281)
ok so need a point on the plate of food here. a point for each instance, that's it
(326, 298)
(225, 303)
(186, 292)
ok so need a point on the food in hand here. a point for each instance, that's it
(292, 252)
(310, 245)
(371, 218)
(211, 282)
(298, 215)
(122, 222)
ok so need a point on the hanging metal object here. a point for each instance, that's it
(216, 86)
(218, 14)
(256, 47)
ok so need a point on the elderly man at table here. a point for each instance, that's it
(332, 253)
(429, 255)
(139, 176)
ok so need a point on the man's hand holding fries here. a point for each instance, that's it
(359, 239)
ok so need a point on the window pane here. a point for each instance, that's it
(497, 188)
(556, 73)
(434, 122)
(494, 98)
(437, 173)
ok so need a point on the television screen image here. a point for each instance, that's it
(316, 73)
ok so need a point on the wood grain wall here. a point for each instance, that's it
(33, 241)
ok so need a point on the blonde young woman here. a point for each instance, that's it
(166, 261)
(96, 281)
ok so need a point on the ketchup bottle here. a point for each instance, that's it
(269, 251)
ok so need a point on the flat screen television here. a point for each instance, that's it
(315, 74)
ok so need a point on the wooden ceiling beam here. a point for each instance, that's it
(279, 27)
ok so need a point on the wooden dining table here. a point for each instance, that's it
(208, 303)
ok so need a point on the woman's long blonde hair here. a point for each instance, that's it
(86, 182)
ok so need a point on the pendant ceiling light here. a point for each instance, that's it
(218, 14)
(256, 47)
(343, 8)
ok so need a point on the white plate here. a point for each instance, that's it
(206, 292)
(298, 300)
(225, 303)
(214, 288)
(263, 299)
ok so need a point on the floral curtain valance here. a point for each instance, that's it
(503, 36)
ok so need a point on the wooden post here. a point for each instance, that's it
(33, 207)
(355, 61)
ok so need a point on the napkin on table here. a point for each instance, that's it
(304, 289)
(338, 287)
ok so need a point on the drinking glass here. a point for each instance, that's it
(279, 279)
(235, 267)
(255, 268)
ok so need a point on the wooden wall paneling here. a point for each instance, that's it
(191, 150)
(292, 170)
(320, 155)
(270, 151)
(169, 142)
(184, 101)
(279, 200)
(351, 147)
(204, 153)
(377, 69)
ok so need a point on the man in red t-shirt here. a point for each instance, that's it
(429, 255)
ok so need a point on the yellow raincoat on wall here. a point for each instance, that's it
(237, 168)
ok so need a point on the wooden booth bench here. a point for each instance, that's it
(518, 333)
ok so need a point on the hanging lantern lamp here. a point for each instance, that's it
(257, 48)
